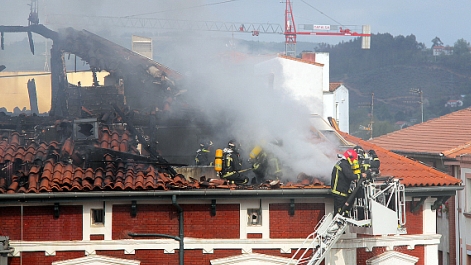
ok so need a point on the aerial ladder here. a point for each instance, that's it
(378, 209)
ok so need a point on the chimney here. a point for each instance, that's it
(309, 56)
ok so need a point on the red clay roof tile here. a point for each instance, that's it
(411, 173)
(54, 170)
(439, 135)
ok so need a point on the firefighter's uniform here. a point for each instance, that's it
(232, 165)
(343, 173)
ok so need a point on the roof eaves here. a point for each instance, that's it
(437, 191)
(159, 194)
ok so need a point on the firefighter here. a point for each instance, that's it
(374, 162)
(368, 161)
(232, 164)
(202, 157)
(345, 171)
(264, 165)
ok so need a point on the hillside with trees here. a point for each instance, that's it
(398, 71)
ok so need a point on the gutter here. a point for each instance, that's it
(202, 194)
(161, 194)
(433, 191)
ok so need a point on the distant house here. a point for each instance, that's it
(454, 103)
(442, 50)
(336, 105)
(307, 80)
(401, 124)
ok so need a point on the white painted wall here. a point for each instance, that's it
(429, 228)
(302, 81)
(336, 105)
(323, 58)
(463, 222)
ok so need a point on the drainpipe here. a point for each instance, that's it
(178, 238)
(180, 228)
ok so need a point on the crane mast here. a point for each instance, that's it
(290, 31)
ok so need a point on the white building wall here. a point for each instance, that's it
(323, 58)
(442, 229)
(341, 106)
(302, 81)
(429, 228)
(336, 105)
(463, 217)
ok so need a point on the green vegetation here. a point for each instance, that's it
(391, 69)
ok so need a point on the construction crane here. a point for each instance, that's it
(288, 30)
(327, 30)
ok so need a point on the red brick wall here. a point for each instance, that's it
(300, 225)
(363, 256)
(150, 219)
(39, 223)
(414, 221)
(200, 224)
(39, 258)
(163, 219)
(254, 235)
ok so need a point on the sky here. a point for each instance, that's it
(426, 20)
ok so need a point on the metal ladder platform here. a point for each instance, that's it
(318, 244)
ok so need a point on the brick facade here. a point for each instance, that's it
(306, 217)
(163, 219)
(39, 223)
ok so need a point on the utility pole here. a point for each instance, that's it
(370, 125)
(371, 115)
(420, 93)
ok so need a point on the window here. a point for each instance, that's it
(85, 129)
(98, 216)
(254, 217)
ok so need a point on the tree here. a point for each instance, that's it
(437, 42)
(461, 47)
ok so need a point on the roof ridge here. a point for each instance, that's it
(423, 124)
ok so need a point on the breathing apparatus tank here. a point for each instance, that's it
(255, 152)
(218, 160)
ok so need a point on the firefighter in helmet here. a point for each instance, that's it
(368, 161)
(345, 171)
(265, 165)
(232, 164)
(202, 157)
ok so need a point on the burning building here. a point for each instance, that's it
(102, 179)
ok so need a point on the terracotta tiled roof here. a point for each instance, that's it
(299, 60)
(448, 134)
(411, 172)
(334, 86)
(60, 167)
